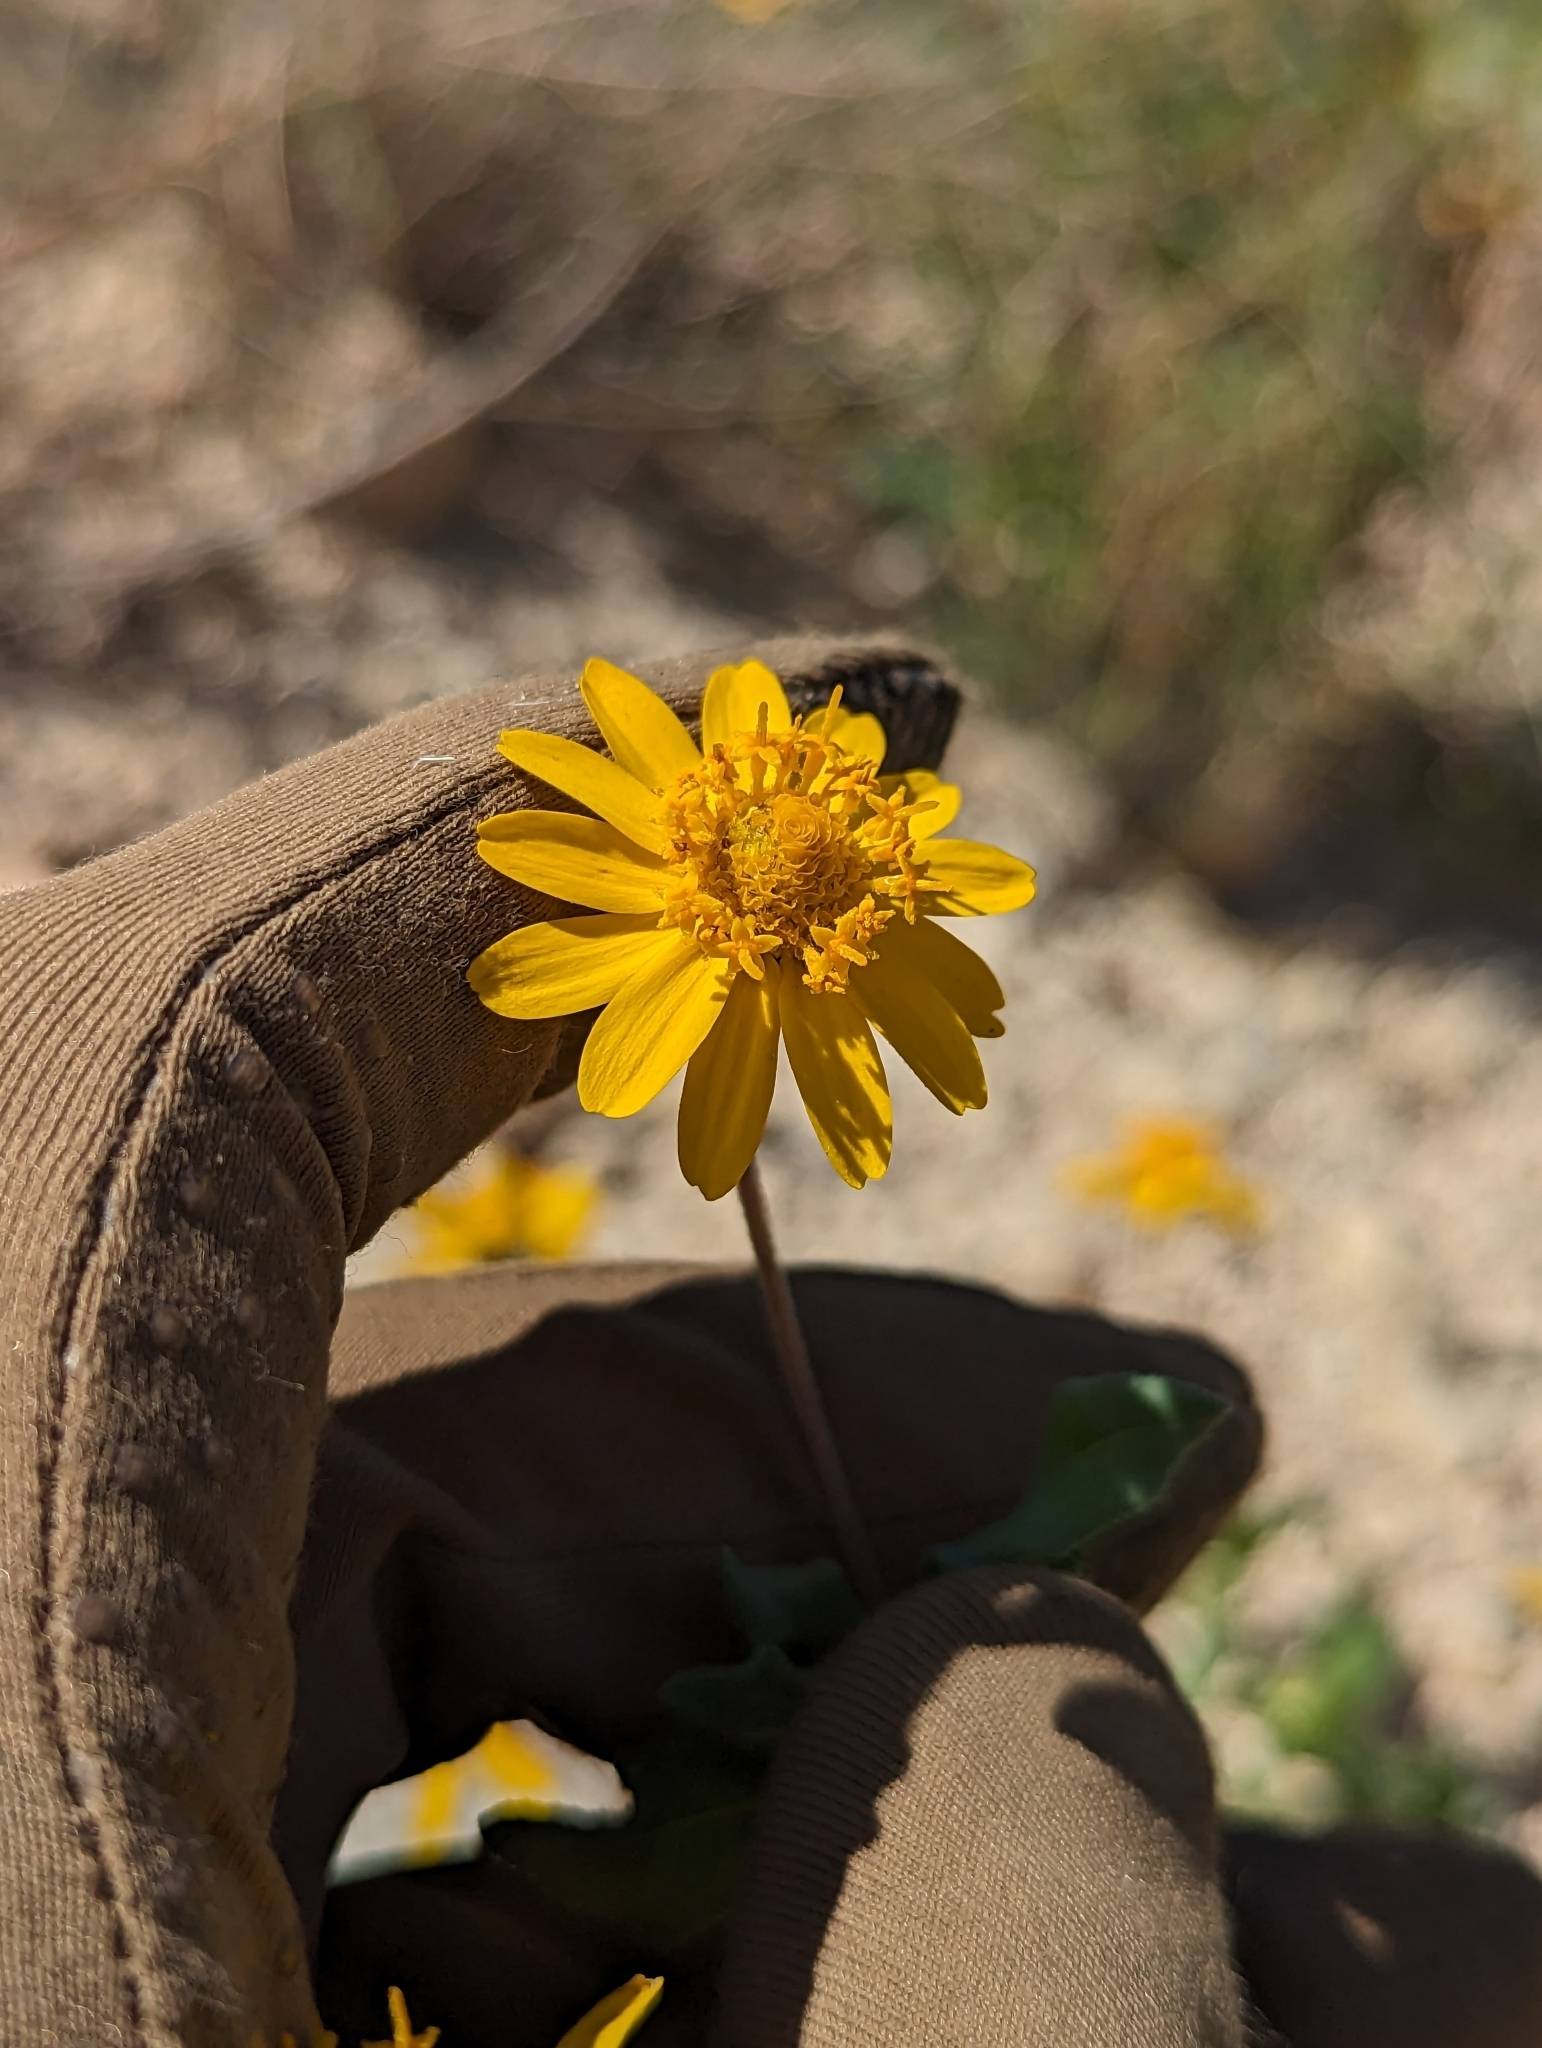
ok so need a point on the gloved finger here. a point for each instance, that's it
(992, 1822)
(230, 1052)
(520, 1503)
(1368, 1934)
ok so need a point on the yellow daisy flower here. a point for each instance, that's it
(514, 1207)
(1166, 1171)
(756, 10)
(770, 886)
(1526, 1592)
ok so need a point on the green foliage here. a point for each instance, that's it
(1112, 1445)
(1128, 348)
(1340, 1696)
(1179, 381)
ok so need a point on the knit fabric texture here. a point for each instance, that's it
(976, 1735)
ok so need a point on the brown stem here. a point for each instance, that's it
(791, 1348)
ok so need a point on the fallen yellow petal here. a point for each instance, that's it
(516, 1772)
(615, 2020)
(402, 2035)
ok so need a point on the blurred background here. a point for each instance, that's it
(1174, 364)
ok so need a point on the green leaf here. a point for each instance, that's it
(746, 1707)
(1338, 1695)
(804, 1609)
(1112, 1445)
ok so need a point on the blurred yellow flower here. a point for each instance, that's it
(771, 886)
(512, 1208)
(755, 10)
(1526, 1592)
(1166, 1172)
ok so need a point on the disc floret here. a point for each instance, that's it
(784, 843)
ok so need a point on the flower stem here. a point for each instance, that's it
(797, 1368)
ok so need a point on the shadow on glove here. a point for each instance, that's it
(521, 1497)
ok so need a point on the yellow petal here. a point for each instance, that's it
(516, 1772)
(600, 785)
(728, 1087)
(978, 880)
(639, 728)
(931, 950)
(615, 2020)
(570, 964)
(733, 699)
(924, 1028)
(942, 799)
(840, 1077)
(577, 860)
(650, 1028)
(858, 732)
(403, 2033)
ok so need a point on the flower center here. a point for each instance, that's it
(786, 843)
(789, 863)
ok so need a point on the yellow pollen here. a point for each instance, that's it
(785, 842)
